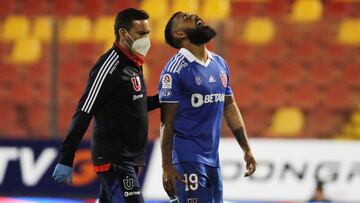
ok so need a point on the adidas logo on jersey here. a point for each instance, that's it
(211, 79)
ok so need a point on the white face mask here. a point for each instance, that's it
(140, 46)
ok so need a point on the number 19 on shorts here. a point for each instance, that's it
(191, 181)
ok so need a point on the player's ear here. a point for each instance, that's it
(122, 33)
(179, 35)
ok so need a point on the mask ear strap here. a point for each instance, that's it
(127, 33)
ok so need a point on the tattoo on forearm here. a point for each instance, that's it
(241, 138)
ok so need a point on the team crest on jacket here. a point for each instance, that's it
(223, 78)
(136, 83)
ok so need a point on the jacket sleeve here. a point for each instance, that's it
(153, 102)
(96, 93)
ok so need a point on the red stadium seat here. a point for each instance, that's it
(258, 74)
(290, 74)
(321, 74)
(243, 8)
(123, 4)
(351, 76)
(63, 8)
(7, 8)
(276, 8)
(322, 123)
(38, 121)
(9, 124)
(245, 95)
(305, 96)
(93, 8)
(336, 9)
(272, 96)
(35, 7)
(338, 97)
(256, 121)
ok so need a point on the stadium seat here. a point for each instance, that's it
(38, 121)
(76, 29)
(305, 11)
(191, 6)
(259, 31)
(258, 74)
(351, 76)
(287, 122)
(26, 51)
(157, 34)
(63, 8)
(7, 8)
(321, 74)
(290, 74)
(322, 122)
(93, 8)
(275, 8)
(245, 95)
(272, 96)
(117, 6)
(215, 10)
(336, 9)
(338, 97)
(242, 9)
(305, 97)
(157, 9)
(15, 27)
(35, 7)
(104, 29)
(349, 30)
(42, 28)
(256, 120)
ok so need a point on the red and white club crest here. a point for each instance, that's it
(223, 78)
(136, 83)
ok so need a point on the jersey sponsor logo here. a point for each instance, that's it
(198, 80)
(167, 81)
(166, 93)
(139, 96)
(192, 200)
(136, 83)
(223, 78)
(198, 100)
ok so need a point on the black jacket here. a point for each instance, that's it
(116, 97)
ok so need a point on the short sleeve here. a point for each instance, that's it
(169, 87)
(228, 90)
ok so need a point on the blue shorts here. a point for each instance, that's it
(203, 183)
(120, 185)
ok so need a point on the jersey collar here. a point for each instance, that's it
(134, 58)
(190, 57)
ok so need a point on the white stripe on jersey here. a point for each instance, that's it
(173, 61)
(175, 66)
(101, 75)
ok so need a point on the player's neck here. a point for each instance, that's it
(199, 52)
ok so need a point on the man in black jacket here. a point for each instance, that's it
(116, 97)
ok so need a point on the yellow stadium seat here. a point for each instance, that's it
(287, 121)
(305, 11)
(15, 27)
(26, 50)
(104, 29)
(190, 6)
(157, 33)
(42, 28)
(215, 10)
(76, 29)
(157, 9)
(259, 31)
(349, 32)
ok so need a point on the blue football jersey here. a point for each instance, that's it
(200, 89)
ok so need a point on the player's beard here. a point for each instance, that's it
(200, 35)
